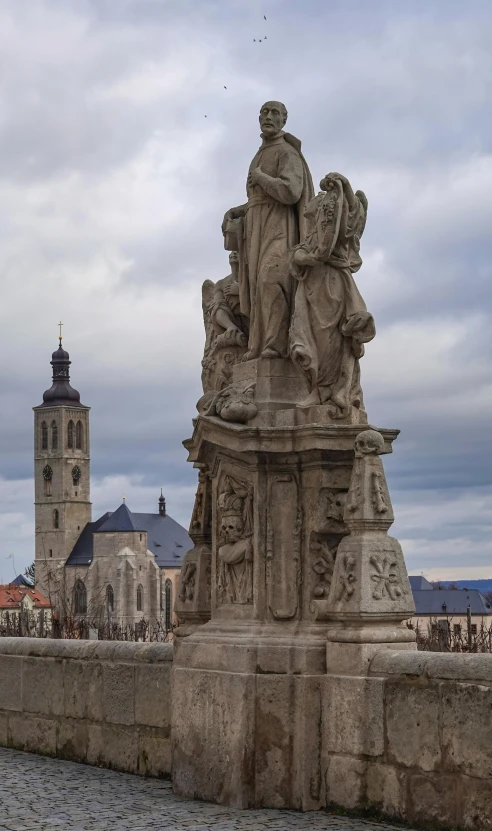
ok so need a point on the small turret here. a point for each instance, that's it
(162, 505)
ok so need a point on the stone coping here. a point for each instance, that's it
(280, 439)
(129, 652)
(453, 666)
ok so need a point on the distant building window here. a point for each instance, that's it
(54, 435)
(79, 430)
(56, 519)
(80, 598)
(71, 435)
(51, 552)
(44, 436)
(140, 598)
(168, 610)
(457, 628)
(110, 599)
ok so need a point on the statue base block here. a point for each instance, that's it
(253, 689)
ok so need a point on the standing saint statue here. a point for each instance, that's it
(266, 228)
(331, 324)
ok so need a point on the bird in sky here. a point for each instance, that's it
(205, 116)
(259, 40)
(254, 40)
(264, 17)
(265, 37)
(225, 87)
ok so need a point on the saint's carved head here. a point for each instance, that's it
(273, 116)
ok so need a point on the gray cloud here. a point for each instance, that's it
(112, 189)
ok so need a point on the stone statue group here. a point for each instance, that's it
(290, 293)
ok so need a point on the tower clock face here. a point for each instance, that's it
(47, 473)
(76, 474)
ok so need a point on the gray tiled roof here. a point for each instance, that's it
(447, 602)
(166, 538)
(419, 582)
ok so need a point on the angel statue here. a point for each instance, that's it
(330, 323)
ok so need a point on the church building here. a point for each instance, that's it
(122, 567)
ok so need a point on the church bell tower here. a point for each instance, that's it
(61, 475)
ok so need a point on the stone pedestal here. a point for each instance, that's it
(249, 684)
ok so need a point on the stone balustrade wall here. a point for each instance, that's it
(413, 740)
(102, 702)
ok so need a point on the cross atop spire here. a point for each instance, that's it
(60, 335)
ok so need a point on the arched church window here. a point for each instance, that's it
(168, 612)
(110, 598)
(80, 598)
(140, 598)
(76, 474)
(54, 435)
(44, 436)
(71, 435)
(47, 476)
(56, 519)
(79, 436)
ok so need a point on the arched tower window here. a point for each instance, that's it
(54, 435)
(47, 476)
(76, 474)
(168, 612)
(80, 598)
(79, 436)
(110, 599)
(56, 519)
(44, 436)
(140, 598)
(71, 435)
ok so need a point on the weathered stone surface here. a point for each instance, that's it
(345, 782)
(33, 733)
(42, 686)
(386, 789)
(466, 711)
(4, 729)
(476, 797)
(83, 689)
(118, 693)
(216, 764)
(433, 800)
(412, 725)
(153, 695)
(154, 754)
(10, 682)
(396, 662)
(343, 658)
(72, 740)
(112, 746)
(353, 715)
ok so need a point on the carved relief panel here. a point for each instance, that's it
(235, 541)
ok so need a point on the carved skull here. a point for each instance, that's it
(231, 528)
(336, 505)
(369, 442)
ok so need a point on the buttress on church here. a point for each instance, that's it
(123, 566)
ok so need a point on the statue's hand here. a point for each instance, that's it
(231, 289)
(302, 258)
(253, 176)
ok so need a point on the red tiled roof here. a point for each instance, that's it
(11, 597)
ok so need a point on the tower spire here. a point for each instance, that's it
(61, 391)
(162, 505)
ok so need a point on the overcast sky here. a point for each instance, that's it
(120, 150)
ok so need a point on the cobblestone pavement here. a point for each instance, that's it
(41, 794)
